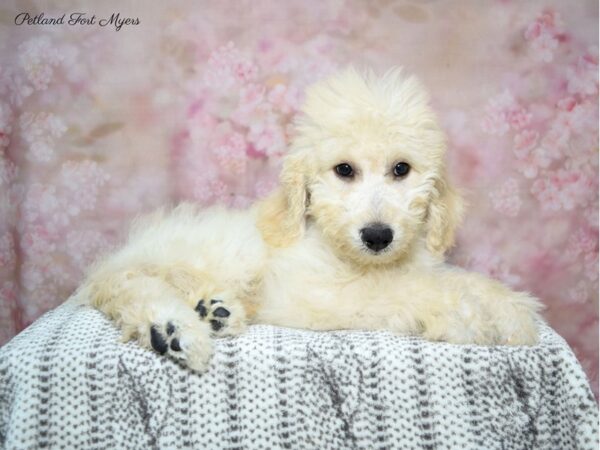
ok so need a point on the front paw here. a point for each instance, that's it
(506, 320)
(226, 318)
(186, 343)
(518, 327)
(172, 330)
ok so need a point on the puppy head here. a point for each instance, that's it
(367, 168)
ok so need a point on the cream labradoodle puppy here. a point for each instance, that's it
(354, 238)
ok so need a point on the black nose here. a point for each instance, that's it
(377, 236)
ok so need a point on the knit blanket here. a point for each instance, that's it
(67, 382)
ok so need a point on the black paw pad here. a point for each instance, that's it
(216, 325)
(158, 341)
(170, 329)
(201, 309)
(175, 345)
(221, 312)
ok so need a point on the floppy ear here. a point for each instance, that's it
(281, 215)
(444, 215)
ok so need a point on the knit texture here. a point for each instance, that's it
(67, 382)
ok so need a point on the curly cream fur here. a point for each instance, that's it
(296, 259)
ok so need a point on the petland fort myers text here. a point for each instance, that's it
(76, 19)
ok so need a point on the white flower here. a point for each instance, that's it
(41, 152)
(55, 125)
(40, 131)
(544, 47)
(583, 77)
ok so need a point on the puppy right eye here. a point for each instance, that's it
(344, 170)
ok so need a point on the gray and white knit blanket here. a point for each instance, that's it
(66, 382)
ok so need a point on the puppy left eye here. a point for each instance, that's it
(344, 170)
(401, 169)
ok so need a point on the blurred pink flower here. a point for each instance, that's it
(504, 112)
(209, 189)
(543, 34)
(231, 160)
(567, 103)
(14, 87)
(571, 119)
(32, 278)
(582, 249)
(487, 260)
(544, 47)
(528, 167)
(251, 96)
(40, 152)
(285, 99)
(267, 138)
(544, 157)
(586, 240)
(531, 162)
(8, 172)
(563, 190)
(264, 187)
(139, 192)
(199, 125)
(559, 134)
(506, 198)
(582, 77)
(49, 208)
(40, 132)
(81, 183)
(37, 240)
(37, 57)
(41, 205)
(227, 67)
(525, 141)
(245, 71)
(579, 293)
(83, 245)
(43, 280)
(518, 118)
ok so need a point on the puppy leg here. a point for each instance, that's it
(222, 304)
(151, 311)
(462, 307)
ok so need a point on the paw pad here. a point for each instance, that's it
(216, 314)
(216, 325)
(175, 345)
(162, 343)
(157, 340)
(201, 309)
(221, 312)
(170, 329)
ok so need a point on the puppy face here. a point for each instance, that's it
(367, 196)
(367, 170)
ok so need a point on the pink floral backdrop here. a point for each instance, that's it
(195, 102)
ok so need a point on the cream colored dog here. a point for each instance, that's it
(354, 238)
